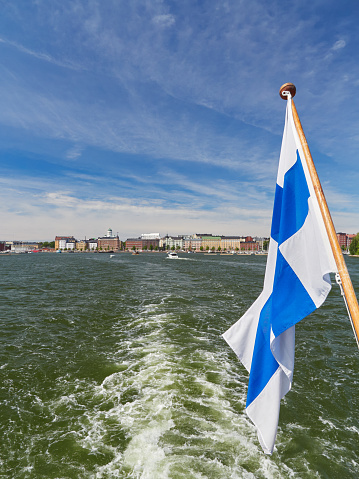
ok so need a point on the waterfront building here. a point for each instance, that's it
(192, 243)
(211, 242)
(133, 243)
(92, 244)
(23, 246)
(231, 243)
(150, 241)
(344, 240)
(200, 235)
(250, 246)
(150, 244)
(170, 242)
(260, 242)
(82, 245)
(60, 241)
(5, 245)
(196, 244)
(150, 236)
(70, 245)
(109, 243)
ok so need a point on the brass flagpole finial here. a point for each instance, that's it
(287, 87)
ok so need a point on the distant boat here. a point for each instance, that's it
(135, 252)
(172, 255)
(58, 251)
(112, 255)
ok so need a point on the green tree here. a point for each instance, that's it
(354, 245)
(201, 248)
(265, 245)
(47, 244)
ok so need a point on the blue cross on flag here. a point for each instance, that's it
(296, 282)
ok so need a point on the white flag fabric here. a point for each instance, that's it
(296, 282)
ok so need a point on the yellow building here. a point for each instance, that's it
(231, 243)
(210, 242)
(82, 245)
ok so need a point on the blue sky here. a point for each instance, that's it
(164, 116)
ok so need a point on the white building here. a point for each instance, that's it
(23, 247)
(173, 241)
(150, 236)
(92, 244)
(62, 243)
(70, 245)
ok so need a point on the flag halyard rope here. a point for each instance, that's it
(339, 282)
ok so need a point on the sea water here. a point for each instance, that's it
(116, 368)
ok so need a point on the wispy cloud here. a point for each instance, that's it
(74, 152)
(338, 45)
(165, 20)
(41, 56)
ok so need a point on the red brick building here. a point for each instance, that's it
(342, 240)
(4, 246)
(345, 239)
(250, 246)
(134, 243)
(109, 243)
(150, 243)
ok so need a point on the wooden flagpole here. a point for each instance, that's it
(348, 289)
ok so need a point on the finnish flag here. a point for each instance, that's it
(296, 282)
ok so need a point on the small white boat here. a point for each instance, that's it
(172, 255)
(112, 255)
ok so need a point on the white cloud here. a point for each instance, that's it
(74, 152)
(339, 45)
(165, 20)
(41, 56)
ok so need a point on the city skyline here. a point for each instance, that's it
(140, 236)
(163, 113)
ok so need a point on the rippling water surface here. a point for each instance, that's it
(115, 368)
